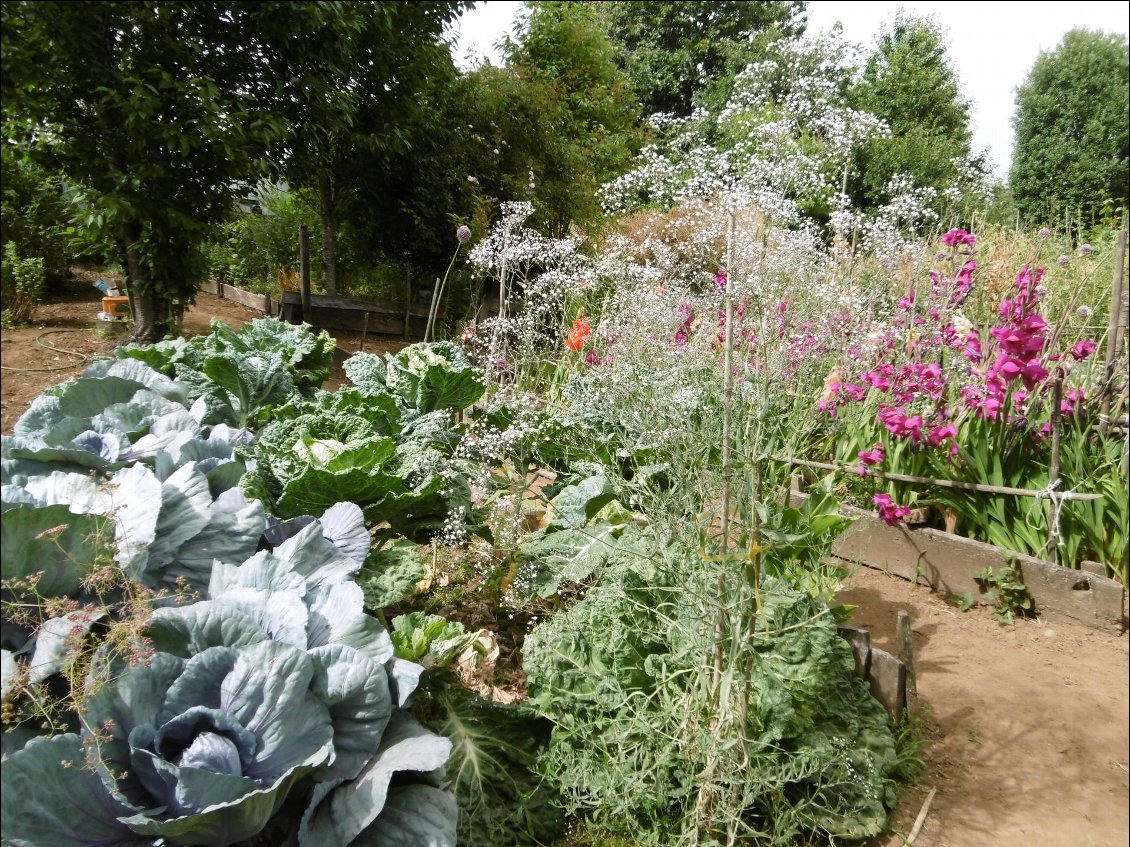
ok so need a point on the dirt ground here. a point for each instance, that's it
(68, 321)
(1026, 727)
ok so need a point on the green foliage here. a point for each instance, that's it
(625, 675)
(564, 47)
(677, 54)
(1072, 141)
(390, 574)
(423, 377)
(1007, 583)
(34, 214)
(240, 373)
(22, 282)
(355, 82)
(910, 83)
(256, 249)
(152, 110)
(431, 640)
(503, 801)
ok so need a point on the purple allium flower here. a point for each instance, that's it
(463, 234)
(1085, 249)
(1062, 261)
(1084, 312)
(1044, 232)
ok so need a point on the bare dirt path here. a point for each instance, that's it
(1026, 726)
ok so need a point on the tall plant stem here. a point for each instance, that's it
(705, 802)
(502, 294)
(437, 295)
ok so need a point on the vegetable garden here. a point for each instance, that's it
(546, 581)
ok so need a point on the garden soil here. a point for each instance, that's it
(1025, 727)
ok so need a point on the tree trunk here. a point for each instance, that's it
(150, 311)
(329, 233)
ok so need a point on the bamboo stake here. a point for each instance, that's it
(1115, 326)
(941, 483)
(1053, 470)
(728, 392)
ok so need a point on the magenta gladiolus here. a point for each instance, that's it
(956, 237)
(889, 512)
(1082, 350)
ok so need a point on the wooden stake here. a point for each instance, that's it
(906, 648)
(921, 819)
(304, 270)
(364, 332)
(1115, 327)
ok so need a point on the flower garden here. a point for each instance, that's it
(219, 579)
(549, 582)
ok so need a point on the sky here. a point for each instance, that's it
(991, 44)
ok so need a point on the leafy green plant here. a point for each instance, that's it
(1012, 597)
(240, 373)
(22, 282)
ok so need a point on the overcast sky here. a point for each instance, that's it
(992, 45)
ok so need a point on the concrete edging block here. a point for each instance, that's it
(946, 563)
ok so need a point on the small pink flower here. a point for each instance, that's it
(889, 512)
(874, 456)
(1082, 350)
(956, 237)
(721, 279)
(938, 435)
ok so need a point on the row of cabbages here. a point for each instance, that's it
(214, 674)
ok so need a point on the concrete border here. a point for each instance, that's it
(946, 563)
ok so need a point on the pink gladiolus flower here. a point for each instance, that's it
(874, 456)
(855, 392)
(1082, 350)
(938, 435)
(889, 512)
(1070, 400)
(720, 279)
(1033, 373)
(1008, 368)
(958, 236)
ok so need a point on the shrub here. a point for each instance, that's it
(24, 281)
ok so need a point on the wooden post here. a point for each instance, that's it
(304, 270)
(906, 648)
(364, 332)
(407, 298)
(1116, 326)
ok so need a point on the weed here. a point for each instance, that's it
(1011, 593)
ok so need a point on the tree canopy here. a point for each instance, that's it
(1071, 123)
(676, 53)
(911, 85)
(150, 107)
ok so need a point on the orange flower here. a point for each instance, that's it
(578, 334)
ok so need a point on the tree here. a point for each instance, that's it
(149, 107)
(1071, 120)
(677, 53)
(350, 78)
(564, 46)
(911, 85)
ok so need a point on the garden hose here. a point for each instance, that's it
(82, 357)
